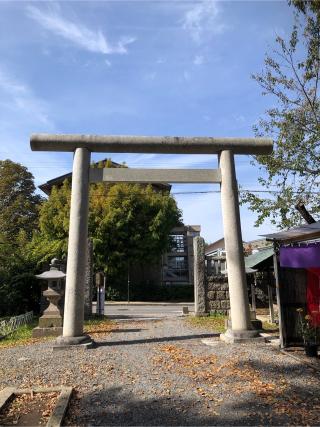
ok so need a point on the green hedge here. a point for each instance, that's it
(19, 294)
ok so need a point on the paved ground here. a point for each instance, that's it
(161, 373)
(136, 310)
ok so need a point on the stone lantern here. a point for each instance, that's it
(50, 323)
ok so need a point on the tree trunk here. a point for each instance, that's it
(304, 213)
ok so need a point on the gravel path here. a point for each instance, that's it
(160, 373)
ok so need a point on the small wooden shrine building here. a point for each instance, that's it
(297, 274)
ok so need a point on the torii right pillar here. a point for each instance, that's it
(241, 328)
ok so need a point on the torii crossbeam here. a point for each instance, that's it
(82, 175)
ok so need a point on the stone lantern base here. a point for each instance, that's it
(47, 332)
(49, 326)
(50, 322)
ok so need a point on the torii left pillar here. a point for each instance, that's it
(77, 254)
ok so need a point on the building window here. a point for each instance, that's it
(178, 262)
(178, 243)
(177, 269)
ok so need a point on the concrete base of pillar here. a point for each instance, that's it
(83, 341)
(256, 324)
(241, 337)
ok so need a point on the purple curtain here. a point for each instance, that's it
(304, 256)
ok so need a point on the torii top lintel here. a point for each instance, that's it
(150, 144)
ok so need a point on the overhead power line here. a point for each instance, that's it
(181, 193)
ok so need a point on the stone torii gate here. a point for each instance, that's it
(82, 175)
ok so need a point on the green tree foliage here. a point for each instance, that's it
(127, 223)
(18, 201)
(19, 207)
(131, 224)
(291, 78)
(51, 240)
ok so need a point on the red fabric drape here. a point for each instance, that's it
(313, 295)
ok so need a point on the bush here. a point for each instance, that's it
(19, 294)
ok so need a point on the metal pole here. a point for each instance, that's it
(103, 294)
(128, 285)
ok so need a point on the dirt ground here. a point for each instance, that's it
(161, 373)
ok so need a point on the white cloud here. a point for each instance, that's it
(202, 19)
(186, 75)
(108, 63)
(77, 33)
(19, 97)
(150, 76)
(22, 112)
(11, 86)
(198, 60)
(240, 118)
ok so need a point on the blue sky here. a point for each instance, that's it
(141, 68)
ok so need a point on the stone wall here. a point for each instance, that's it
(217, 294)
(211, 293)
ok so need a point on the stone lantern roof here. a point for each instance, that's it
(51, 275)
(54, 273)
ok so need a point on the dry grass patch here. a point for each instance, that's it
(215, 323)
(98, 326)
(270, 327)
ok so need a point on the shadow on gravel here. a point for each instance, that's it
(296, 406)
(273, 370)
(136, 317)
(157, 339)
(115, 407)
(127, 330)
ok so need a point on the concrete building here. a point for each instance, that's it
(177, 265)
(215, 248)
(215, 254)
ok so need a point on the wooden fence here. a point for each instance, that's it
(11, 325)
